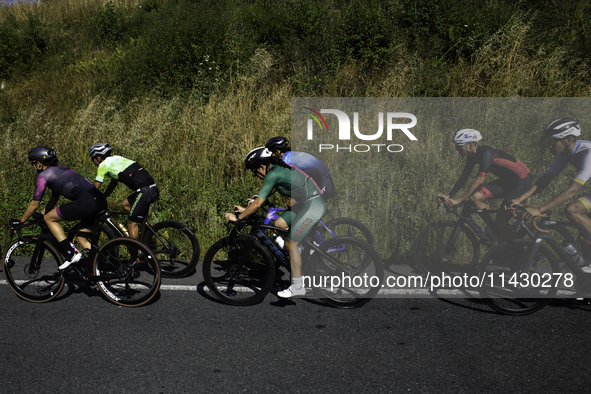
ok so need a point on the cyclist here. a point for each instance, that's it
(561, 136)
(303, 162)
(85, 200)
(307, 209)
(513, 179)
(132, 175)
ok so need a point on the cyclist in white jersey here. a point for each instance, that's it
(561, 136)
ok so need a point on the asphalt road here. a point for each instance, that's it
(186, 341)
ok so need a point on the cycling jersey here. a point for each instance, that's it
(86, 200)
(314, 168)
(580, 158)
(62, 180)
(125, 171)
(292, 183)
(500, 163)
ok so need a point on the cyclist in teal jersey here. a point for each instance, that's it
(307, 209)
(132, 175)
(561, 136)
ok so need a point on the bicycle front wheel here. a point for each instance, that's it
(345, 272)
(33, 273)
(236, 278)
(446, 247)
(175, 246)
(510, 289)
(128, 270)
(346, 227)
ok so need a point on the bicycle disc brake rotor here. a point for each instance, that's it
(31, 275)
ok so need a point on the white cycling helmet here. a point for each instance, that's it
(562, 128)
(465, 136)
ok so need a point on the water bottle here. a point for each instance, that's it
(123, 229)
(574, 254)
(279, 240)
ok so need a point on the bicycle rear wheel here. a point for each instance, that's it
(175, 246)
(35, 280)
(347, 273)
(512, 292)
(446, 247)
(129, 271)
(237, 279)
(346, 227)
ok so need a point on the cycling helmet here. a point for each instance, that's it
(257, 157)
(100, 149)
(562, 128)
(43, 155)
(277, 143)
(465, 136)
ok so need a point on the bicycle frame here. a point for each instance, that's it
(539, 237)
(257, 234)
(272, 216)
(465, 218)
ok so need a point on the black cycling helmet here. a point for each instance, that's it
(257, 157)
(43, 155)
(101, 149)
(562, 128)
(277, 143)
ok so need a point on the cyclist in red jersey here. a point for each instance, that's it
(512, 178)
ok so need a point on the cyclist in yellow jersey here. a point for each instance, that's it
(131, 174)
(561, 136)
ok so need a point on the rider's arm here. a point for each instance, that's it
(473, 187)
(563, 197)
(110, 188)
(463, 178)
(536, 188)
(258, 202)
(31, 209)
(51, 203)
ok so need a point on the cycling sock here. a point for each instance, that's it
(68, 249)
(296, 282)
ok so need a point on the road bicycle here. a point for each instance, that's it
(240, 268)
(124, 270)
(342, 227)
(453, 247)
(173, 243)
(523, 276)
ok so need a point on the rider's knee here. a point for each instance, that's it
(574, 209)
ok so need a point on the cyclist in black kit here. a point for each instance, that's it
(85, 200)
(513, 178)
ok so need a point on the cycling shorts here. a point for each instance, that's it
(86, 206)
(140, 202)
(508, 190)
(586, 202)
(302, 217)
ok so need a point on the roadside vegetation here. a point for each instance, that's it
(187, 88)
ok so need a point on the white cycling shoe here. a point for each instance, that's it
(76, 258)
(292, 292)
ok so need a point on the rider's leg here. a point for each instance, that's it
(71, 254)
(280, 222)
(295, 259)
(576, 212)
(478, 201)
(132, 227)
